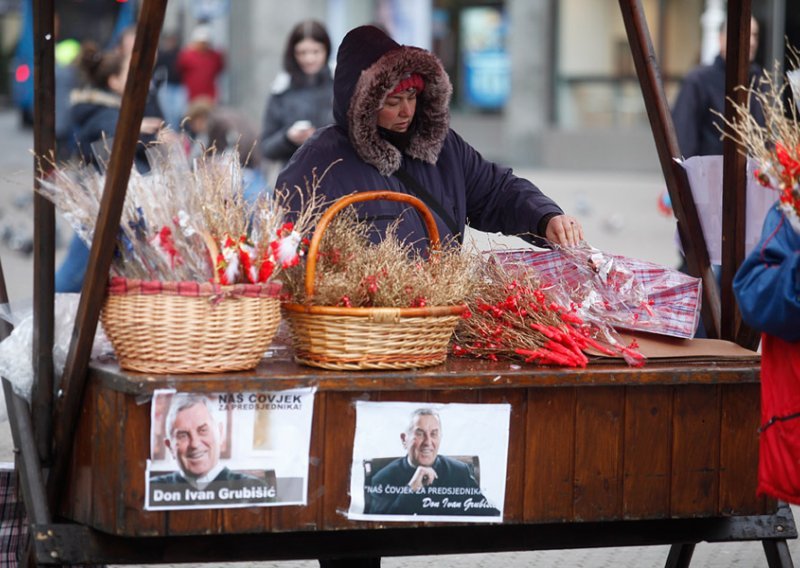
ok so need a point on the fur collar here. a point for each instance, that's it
(432, 116)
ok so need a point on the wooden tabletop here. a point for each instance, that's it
(279, 372)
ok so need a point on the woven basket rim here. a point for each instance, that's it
(121, 286)
(428, 311)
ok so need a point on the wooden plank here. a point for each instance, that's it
(738, 476)
(340, 426)
(695, 452)
(106, 446)
(308, 517)
(454, 396)
(457, 374)
(517, 437)
(78, 499)
(658, 112)
(549, 460)
(151, 18)
(136, 441)
(599, 420)
(44, 143)
(648, 446)
(734, 169)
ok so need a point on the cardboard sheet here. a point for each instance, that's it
(663, 347)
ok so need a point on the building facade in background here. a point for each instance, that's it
(547, 83)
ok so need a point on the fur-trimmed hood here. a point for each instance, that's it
(369, 65)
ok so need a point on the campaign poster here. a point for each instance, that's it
(418, 461)
(231, 449)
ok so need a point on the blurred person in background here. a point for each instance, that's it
(697, 128)
(66, 79)
(301, 97)
(95, 113)
(703, 91)
(226, 129)
(171, 93)
(152, 107)
(199, 65)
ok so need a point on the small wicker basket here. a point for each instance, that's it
(190, 327)
(355, 339)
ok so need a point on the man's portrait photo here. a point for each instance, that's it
(228, 449)
(427, 476)
(193, 435)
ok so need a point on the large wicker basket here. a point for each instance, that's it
(190, 327)
(342, 338)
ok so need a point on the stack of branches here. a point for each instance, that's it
(180, 212)
(354, 271)
(513, 316)
(776, 145)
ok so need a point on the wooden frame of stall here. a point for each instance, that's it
(584, 497)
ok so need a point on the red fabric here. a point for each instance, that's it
(199, 70)
(779, 445)
(122, 286)
(412, 81)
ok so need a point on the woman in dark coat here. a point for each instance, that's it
(392, 131)
(302, 96)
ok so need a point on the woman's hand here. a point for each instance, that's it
(564, 230)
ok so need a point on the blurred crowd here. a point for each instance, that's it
(184, 101)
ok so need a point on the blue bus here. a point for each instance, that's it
(101, 21)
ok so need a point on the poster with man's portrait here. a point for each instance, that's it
(418, 461)
(232, 449)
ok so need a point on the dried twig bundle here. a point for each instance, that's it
(514, 316)
(183, 221)
(352, 271)
(776, 145)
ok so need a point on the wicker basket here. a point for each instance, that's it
(369, 338)
(190, 327)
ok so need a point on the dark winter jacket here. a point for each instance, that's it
(767, 287)
(95, 114)
(289, 102)
(703, 91)
(488, 196)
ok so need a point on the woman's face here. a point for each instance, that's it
(310, 56)
(398, 111)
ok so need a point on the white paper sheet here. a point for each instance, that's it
(705, 179)
(471, 434)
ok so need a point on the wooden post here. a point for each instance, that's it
(93, 293)
(734, 173)
(689, 229)
(44, 137)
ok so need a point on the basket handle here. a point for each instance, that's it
(346, 201)
(213, 253)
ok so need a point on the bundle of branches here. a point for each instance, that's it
(513, 316)
(354, 271)
(776, 145)
(175, 215)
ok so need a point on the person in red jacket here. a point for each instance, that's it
(199, 65)
(767, 287)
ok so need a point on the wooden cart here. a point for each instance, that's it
(603, 456)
